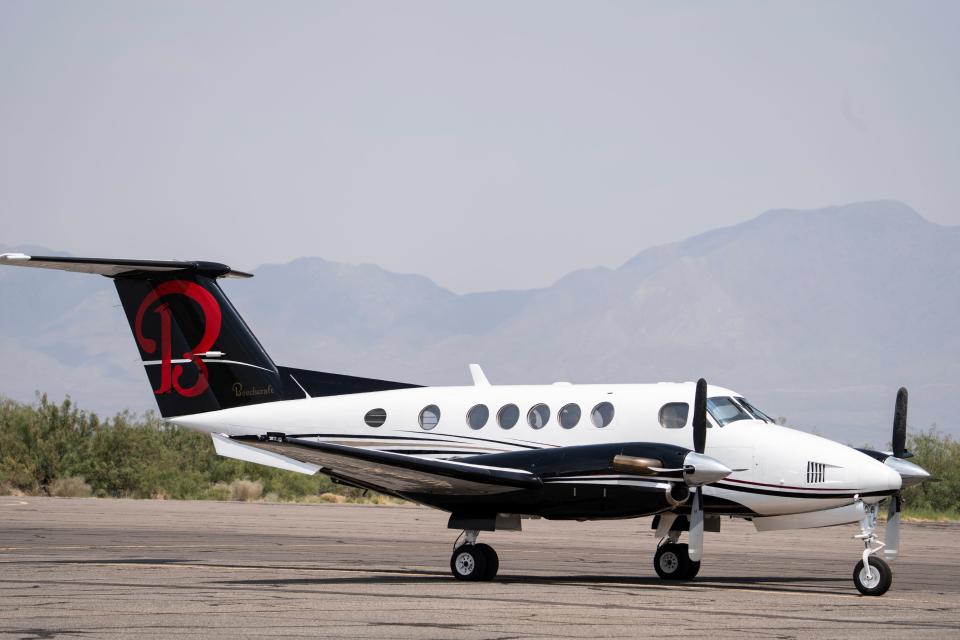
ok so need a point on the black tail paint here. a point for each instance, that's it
(201, 356)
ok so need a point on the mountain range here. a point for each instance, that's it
(817, 316)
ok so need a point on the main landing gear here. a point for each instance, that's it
(872, 575)
(472, 561)
(672, 560)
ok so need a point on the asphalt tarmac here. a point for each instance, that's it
(88, 568)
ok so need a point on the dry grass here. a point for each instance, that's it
(246, 490)
(72, 487)
(930, 515)
(219, 491)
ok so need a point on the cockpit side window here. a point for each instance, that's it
(759, 415)
(724, 410)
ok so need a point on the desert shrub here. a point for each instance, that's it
(218, 491)
(70, 487)
(940, 455)
(243, 490)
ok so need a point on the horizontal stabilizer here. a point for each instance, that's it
(232, 449)
(114, 267)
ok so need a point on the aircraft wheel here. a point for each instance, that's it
(469, 562)
(672, 561)
(879, 581)
(493, 561)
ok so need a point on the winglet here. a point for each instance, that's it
(479, 379)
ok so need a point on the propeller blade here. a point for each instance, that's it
(695, 548)
(899, 440)
(892, 539)
(700, 417)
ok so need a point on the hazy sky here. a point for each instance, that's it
(485, 144)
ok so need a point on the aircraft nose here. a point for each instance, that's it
(910, 474)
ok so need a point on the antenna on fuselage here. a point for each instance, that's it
(479, 379)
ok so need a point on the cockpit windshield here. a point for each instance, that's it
(759, 415)
(724, 410)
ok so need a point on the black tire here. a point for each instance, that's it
(882, 577)
(672, 561)
(493, 561)
(468, 562)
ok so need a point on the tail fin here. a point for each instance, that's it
(198, 352)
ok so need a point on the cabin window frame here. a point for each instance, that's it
(486, 417)
(561, 411)
(516, 419)
(606, 422)
(429, 407)
(686, 415)
(533, 411)
(375, 421)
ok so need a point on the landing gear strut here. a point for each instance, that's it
(472, 561)
(872, 575)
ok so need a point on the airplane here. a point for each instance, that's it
(494, 455)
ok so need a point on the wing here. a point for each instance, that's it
(395, 472)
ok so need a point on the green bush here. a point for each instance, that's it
(57, 449)
(940, 455)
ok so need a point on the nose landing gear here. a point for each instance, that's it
(872, 575)
(472, 561)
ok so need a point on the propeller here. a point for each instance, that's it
(899, 439)
(699, 445)
(899, 444)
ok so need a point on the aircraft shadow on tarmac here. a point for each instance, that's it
(758, 583)
(375, 576)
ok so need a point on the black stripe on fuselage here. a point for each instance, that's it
(347, 436)
(539, 445)
(423, 438)
(788, 494)
(431, 452)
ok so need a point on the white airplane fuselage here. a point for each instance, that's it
(777, 470)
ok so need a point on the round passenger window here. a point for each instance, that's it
(375, 417)
(478, 416)
(538, 416)
(673, 415)
(429, 417)
(602, 415)
(569, 416)
(508, 415)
